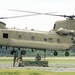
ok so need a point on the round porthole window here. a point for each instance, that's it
(32, 37)
(45, 39)
(58, 40)
(19, 36)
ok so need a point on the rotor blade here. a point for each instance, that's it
(24, 11)
(38, 13)
(18, 16)
(69, 16)
(49, 13)
(54, 15)
(30, 11)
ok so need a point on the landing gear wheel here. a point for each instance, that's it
(67, 53)
(55, 53)
(12, 52)
(23, 52)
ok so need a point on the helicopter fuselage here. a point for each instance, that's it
(22, 38)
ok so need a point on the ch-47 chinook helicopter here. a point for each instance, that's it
(61, 37)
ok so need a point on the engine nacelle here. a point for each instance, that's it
(62, 31)
(2, 25)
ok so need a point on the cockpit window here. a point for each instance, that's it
(5, 35)
(54, 26)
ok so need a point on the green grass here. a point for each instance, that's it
(59, 61)
(62, 61)
(36, 72)
(31, 72)
(6, 60)
(22, 72)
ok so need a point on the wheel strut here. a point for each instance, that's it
(44, 54)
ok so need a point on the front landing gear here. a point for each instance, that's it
(17, 57)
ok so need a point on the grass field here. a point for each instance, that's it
(59, 60)
(62, 61)
(36, 72)
(31, 72)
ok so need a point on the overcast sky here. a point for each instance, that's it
(39, 22)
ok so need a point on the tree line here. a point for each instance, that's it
(30, 53)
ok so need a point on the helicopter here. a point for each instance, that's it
(61, 37)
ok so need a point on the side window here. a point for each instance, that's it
(5, 35)
(32, 37)
(54, 26)
(19, 36)
(45, 39)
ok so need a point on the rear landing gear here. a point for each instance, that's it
(55, 53)
(66, 53)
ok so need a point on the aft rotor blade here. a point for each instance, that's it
(69, 16)
(37, 13)
(18, 16)
(32, 12)
(25, 11)
(54, 15)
